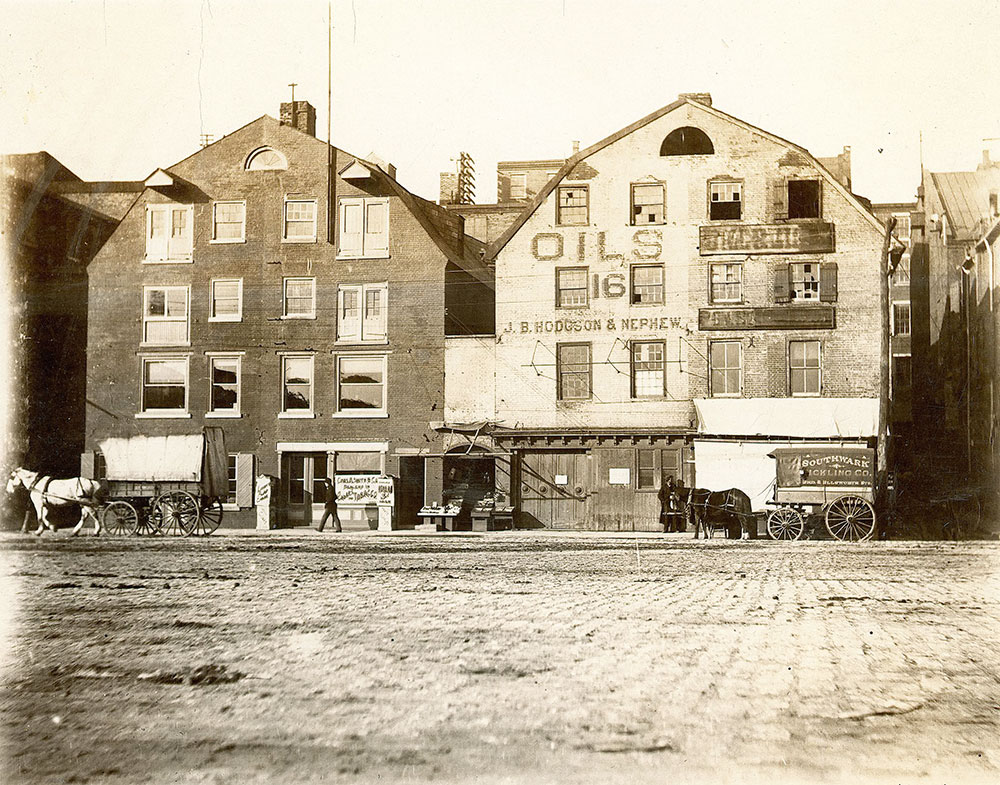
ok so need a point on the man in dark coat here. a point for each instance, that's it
(329, 505)
(669, 518)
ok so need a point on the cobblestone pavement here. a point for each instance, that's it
(506, 658)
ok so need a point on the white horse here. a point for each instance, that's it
(46, 493)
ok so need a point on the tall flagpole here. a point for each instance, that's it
(331, 153)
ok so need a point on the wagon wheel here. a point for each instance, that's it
(175, 513)
(209, 518)
(149, 522)
(850, 518)
(966, 515)
(785, 523)
(120, 518)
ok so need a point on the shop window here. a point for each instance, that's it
(804, 371)
(687, 141)
(364, 228)
(169, 232)
(572, 205)
(361, 385)
(359, 463)
(224, 375)
(227, 300)
(300, 221)
(573, 371)
(165, 315)
(725, 368)
(229, 222)
(648, 204)
(299, 298)
(164, 385)
(725, 201)
(648, 369)
(571, 287)
(726, 282)
(647, 284)
(645, 473)
(297, 385)
(362, 313)
(900, 319)
(804, 199)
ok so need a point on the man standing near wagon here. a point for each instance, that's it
(329, 506)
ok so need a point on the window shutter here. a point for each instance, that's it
(828, 282)
(376, 227)
(157, 229)
(180, 232)
(779, 200)
(87, 465)
(782, 282)
(374, 327)
(349, 326)
(352, 226)
(244, 479)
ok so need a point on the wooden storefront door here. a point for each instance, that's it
(302, 475)
(554, 489)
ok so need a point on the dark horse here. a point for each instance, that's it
(705, 509)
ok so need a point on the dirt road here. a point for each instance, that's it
(507, 658)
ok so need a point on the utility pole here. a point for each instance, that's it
(884, 359)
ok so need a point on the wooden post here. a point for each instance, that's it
(883, 398)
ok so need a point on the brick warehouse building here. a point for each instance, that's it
(683, 296)
(225, 297)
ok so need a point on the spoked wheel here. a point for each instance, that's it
(175, 513)
(120, 519)
(850, 518)
(785, 523)
(148, 522)
(209, 518)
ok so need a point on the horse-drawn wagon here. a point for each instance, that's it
(832, 484)
(165, 484)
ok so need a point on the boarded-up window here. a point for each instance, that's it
(803, 199)
(725, 201)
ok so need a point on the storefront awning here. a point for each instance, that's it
(809, 418)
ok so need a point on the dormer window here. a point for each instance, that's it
(687, 141)
(266, 158)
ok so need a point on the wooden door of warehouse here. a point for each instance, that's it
(554, 488)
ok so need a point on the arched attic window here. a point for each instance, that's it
(687, 141)
(266, 158)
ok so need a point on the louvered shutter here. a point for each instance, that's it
(782, 282)
(352, 227)
(349, 313)
(828, 282)
(376, 227)
(180, 232)
(779, 200)
(157, 231)
(87, 465)
(376, 303)
(244, 479)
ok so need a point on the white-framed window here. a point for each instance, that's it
(164, 386)
(361, 385)
(726, 280)
(296, 385)
(299, 298)
(299, 221)
(572, 205)
(363, 313)
(231, 472)
(725, 200)
(648, 204)
(169, 232)
(364, 228)
(229, 222)
(571, 287)
(224, 378)
(519, 185)
(647, 284)
(725, 369)
(165, 315)
(805, 372)
(901, 275)
(226, 300)
(900, 318)
(804, 281)
(574, 373)
(648, 369)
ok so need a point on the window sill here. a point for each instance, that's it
(296, 416)
(572, 307)
(569, 226)
(647, 305)
(360, 415)
(185, 260)
(712, 220)
(643, 226)
(342, 257)
(298, 317)
(223, 415)
(725, 303)
(725, 395)
(299, 240)
(228, 242)
(144, 345)
(806, 395)
(345, 342)
(224, 320)
(163, 415)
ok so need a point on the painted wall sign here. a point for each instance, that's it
(789, 317)
(592, 246)
(364, 489)
(610, 325)
(825, 466)
(806, 237)
(619, 477)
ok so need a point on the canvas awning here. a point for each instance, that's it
(809, 418)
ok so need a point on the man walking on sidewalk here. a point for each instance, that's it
(329, 506)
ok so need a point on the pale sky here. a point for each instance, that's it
(116, 89)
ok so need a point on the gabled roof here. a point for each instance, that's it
(961, 198)
(571, 163)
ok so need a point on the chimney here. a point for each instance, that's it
(576, 146)
(300, 115)
(698, 98)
